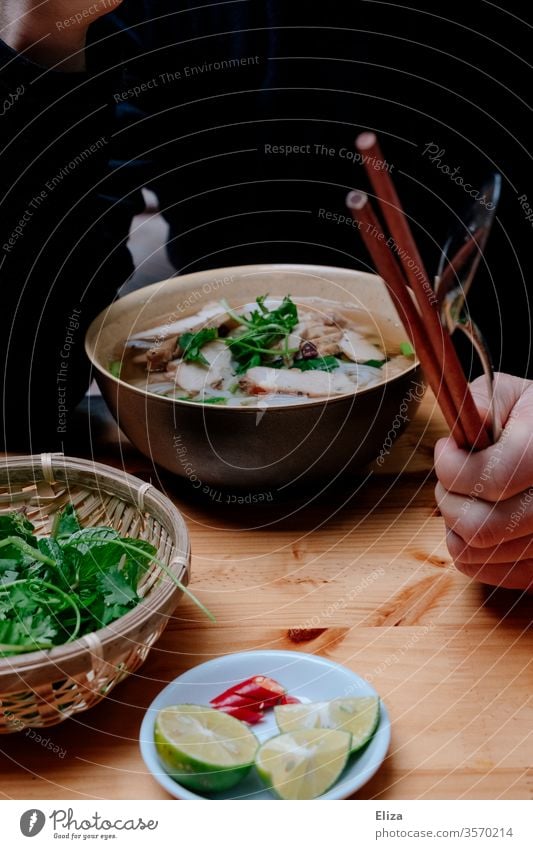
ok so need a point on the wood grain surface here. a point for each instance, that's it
(360, 575)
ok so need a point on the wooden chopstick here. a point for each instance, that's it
(386, 265)
(406, 249)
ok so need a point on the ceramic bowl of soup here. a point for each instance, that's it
(258, 377)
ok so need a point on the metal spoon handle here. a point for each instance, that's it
(476, 338)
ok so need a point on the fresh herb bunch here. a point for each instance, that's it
(54, 590)
(263, 328)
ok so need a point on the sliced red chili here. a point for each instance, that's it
(258, 690)
(233, 700)
(245, 714)
(289, 700)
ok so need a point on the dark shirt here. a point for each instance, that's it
(242, 116)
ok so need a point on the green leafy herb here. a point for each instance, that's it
(66, 523)
(214, 400)
(327, 363)
(115, 368)
(191, 344)
(375, 363)
(262, 329)
(16, 524)
(116, 588)
(38, 607)
(407, 349)
(53, 590)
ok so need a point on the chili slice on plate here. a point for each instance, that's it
(248, 699)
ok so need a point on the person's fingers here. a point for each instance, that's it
(482, 524)
(502, 470)
(508, 389)
(506, 552)
(511, 576)
(457, 469)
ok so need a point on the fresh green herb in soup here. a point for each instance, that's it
(272, 351)
(54, 590)
(115, 368)
(317, 364)
(407, 349)
(375, 363)
(192, 343)
(262, 330)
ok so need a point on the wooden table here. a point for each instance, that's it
(362, 577)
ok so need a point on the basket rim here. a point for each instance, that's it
(132, 490)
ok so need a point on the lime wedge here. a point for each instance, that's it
(304, 764)
(202, 748)
(359, 716)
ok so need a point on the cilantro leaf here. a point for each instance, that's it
(66, 522)
(262, 329)
(286, 314)
(116, 588)
(27, 633)
(327, 363)
(191, 343)
(17, 525)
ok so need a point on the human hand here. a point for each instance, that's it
(53, 32)
(486, 497)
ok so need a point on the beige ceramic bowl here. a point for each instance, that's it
(241, 448)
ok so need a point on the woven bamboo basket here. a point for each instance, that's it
(44, 688)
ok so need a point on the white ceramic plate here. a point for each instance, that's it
(306, 676)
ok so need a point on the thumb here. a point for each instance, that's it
(508, 390)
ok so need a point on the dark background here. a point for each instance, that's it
(454, 75)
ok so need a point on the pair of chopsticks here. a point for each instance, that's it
(399, 263)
